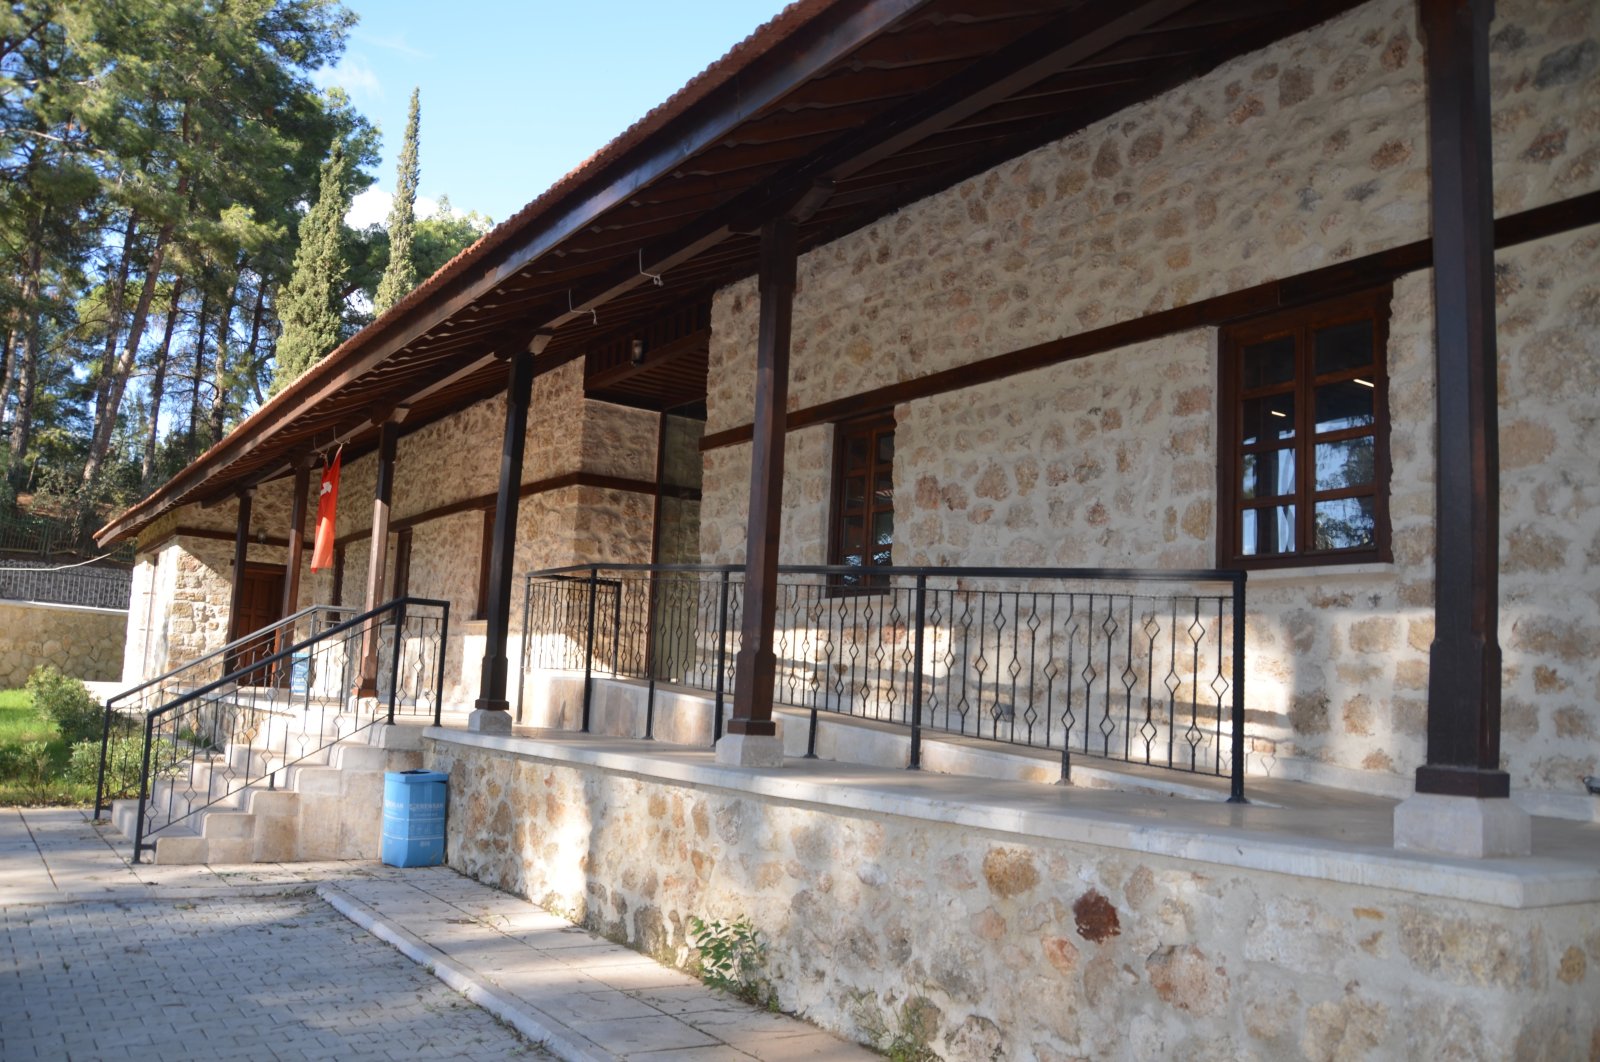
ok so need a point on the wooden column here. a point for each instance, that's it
(1464, 665)
(377, 556)
(297, 524)
(756, 665)
(519, 394)
(241, 548)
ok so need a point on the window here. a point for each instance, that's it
(862, 532)
(1305, 436)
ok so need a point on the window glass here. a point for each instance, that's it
(1304, 466)
(1269, 363)
(1268, 418)
(863, 533)
(1345, 523)
(1346, 463)
(1344, 405)
(1342, 347)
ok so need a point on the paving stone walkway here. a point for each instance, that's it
(103, 958)
(247, 977)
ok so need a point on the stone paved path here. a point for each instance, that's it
(239, 977)
(583, 996)
(102, 958)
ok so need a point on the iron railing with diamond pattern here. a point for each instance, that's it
(1141, 666)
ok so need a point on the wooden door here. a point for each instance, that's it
(260, 605)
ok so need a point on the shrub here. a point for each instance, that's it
(124, 756)
(732, 956)
(27, 765)
(66, 702)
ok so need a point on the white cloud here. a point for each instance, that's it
(372, 208)
(369, 208)
(353, 74)
(394, 43)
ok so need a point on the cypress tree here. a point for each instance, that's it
(401, 275)
(310, 310)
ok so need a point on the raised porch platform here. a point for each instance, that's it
(1043, 921)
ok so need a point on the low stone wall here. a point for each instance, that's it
(85, 643)
(884, 919)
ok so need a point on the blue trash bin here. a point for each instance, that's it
(413, 818)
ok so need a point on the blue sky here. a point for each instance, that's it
(516, 94)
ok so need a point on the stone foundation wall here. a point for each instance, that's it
(987, 945)
(1308, 153)
(84, 643)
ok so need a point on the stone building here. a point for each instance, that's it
(1069, 290)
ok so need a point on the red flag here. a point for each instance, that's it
(327, 503)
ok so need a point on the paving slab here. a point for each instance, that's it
(581, 996)
(101, 957)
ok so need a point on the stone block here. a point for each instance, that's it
(228, 826)
(481, 721)
(745, 750)
(1468, 827)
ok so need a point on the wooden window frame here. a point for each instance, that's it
(1300, 322)
(874, 426)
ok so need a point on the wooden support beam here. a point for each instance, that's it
(519, 395)
(1464, 662)
(241, 549)
(377, 557)
(297, 536)
(756, 665)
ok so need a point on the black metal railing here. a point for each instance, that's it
(241, 730)
(1141, 666)
(126, 710)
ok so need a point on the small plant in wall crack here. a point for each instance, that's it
(732, 957)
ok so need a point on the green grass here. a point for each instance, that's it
(21, 724)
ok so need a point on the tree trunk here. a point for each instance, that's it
(22, 433)
(105, 425)
(10, 342)
(219, 376)
(199, 369)
(257, 318)
(119, 289)
(158, 384)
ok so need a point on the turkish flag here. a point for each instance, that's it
(327, 504)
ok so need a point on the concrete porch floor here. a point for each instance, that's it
(1290, 827)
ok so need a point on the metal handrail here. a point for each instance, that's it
(398, 607)
(909, 615)
(203, 659)
(398, 604)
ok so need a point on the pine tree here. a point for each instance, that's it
(310, 308)
(401, 275)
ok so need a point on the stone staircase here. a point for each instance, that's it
(315, 792)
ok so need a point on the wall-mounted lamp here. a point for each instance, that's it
(636, 352)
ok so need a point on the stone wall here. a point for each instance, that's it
(1309, 153)
(84, 643)
(990, 945)
(186, 580)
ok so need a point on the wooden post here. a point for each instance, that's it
(1464, 666)
(241, 549)
(492, 688)
(297, 524)
(377, 556)
(756, 666)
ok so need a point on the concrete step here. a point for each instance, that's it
(312, 811)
